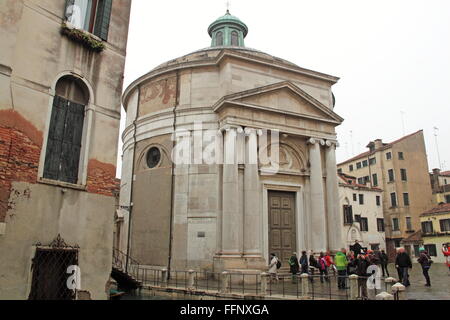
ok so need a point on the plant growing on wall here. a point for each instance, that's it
(84, 38)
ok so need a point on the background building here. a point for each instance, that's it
(400, 169)
(61, 72)
(436, 230)
(362, 213)
(231, 216)
(440, 184)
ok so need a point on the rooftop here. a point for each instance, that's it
(346, 178)
(383, 147)
(442, 208)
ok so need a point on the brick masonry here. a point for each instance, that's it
(20, 149)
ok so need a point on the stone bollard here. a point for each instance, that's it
(399, 290)
(191, 279)
(388, 282)
(164, 274)
(305, 285)
(384, 296)
(353, 287)
(225, 282)
(264, 283)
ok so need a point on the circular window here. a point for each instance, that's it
(153, 157)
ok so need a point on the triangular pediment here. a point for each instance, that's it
(284, 97)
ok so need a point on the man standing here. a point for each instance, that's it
(384, 260)
(403, 263)
(356, 248)
(341, 263)
(361, 270)
(304, 262)
(294, 267)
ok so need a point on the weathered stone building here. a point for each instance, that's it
(400, 169)
(61, 73)
(361, 207)
(229, 214)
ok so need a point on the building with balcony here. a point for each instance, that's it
(61, 73)
(400, 169)
(436, 230)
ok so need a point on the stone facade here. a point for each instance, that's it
(36, 58)
(400, 169)
(215, 215)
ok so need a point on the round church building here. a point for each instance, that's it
(228, 156)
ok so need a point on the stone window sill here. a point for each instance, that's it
(62, 184)
(87, 39)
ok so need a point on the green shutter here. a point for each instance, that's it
(103, 18)
(71, 145)
(55, 137)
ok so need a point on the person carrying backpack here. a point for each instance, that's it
(323, 268)
(273, 266)
(425, 261)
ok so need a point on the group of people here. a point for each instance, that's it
(357, 261)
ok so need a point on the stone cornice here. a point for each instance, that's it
(232, 99)
(215, 61)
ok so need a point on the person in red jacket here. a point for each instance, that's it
(329, 261)
(446, 252)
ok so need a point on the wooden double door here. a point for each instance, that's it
(282, 225)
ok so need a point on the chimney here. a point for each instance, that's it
(378, 143)
(436, 171)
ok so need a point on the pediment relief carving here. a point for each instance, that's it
(289, 159)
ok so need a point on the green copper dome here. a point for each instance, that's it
(228, 30)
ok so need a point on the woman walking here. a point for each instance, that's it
(425, 261)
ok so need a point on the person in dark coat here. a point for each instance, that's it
(361, 270)
(294, 267)
(384, 260)
(313, 265)
(356, 248)
(304, 262)
(425, 261)
(403, 263)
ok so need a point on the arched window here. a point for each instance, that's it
(62, 157)
(219, 38)
(234, 38)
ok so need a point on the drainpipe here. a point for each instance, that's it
(132, 181)
(172, 186)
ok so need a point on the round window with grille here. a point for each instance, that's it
(153, 157)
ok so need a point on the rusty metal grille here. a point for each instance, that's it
(49, 268)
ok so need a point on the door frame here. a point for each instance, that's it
(299, 212)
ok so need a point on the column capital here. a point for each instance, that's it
(331, 143)
(231, 127)
(316, 140)
(249, 131)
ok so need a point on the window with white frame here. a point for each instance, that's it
(90, 15)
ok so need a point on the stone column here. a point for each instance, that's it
(334, 221)
(252, 210)
(231, 220)
(318, 227)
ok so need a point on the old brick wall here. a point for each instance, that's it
(20, 148)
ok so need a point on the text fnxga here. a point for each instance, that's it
(228, 309)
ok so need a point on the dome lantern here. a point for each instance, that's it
(228, 30)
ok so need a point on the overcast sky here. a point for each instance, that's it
(393, 57)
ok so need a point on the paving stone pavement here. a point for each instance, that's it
(440, 283)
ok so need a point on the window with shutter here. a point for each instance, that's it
(65, 133)
(103, 18)
(90, 15)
